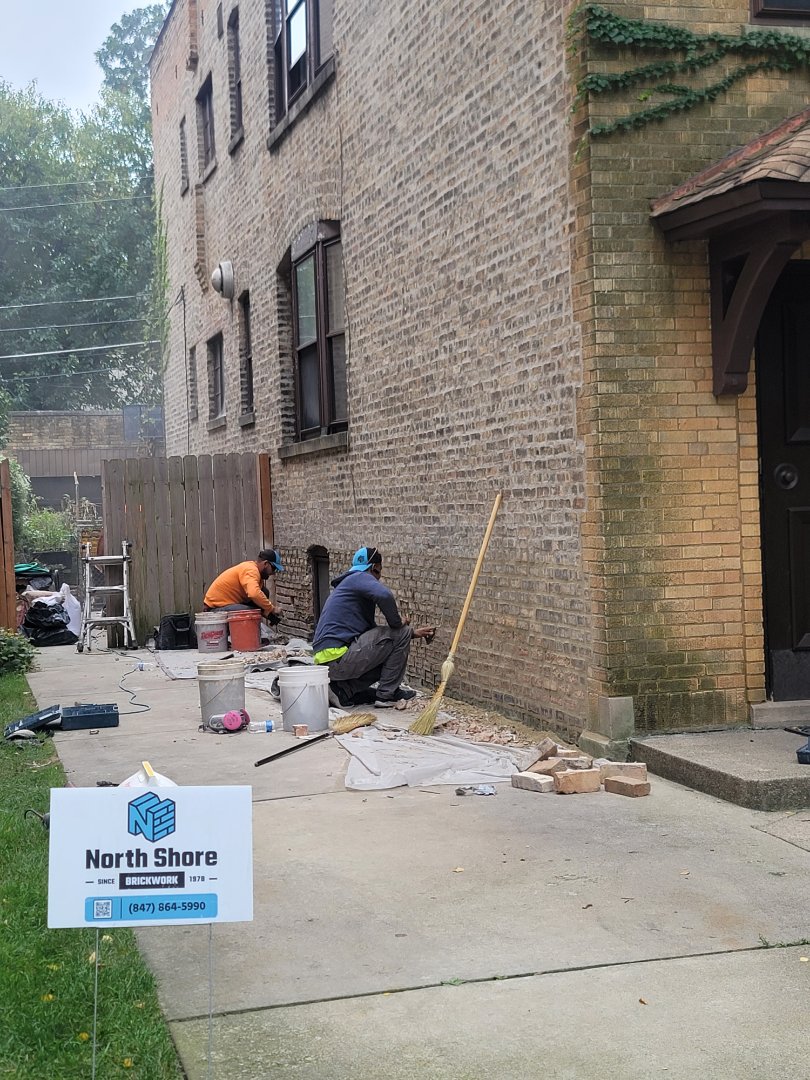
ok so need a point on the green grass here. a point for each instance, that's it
(46, 976)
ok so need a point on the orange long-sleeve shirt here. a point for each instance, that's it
(238, 585)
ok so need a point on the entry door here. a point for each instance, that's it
(783, 396)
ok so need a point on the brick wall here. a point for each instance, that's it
(515, 323)
(53, 430)
(463, 356)
(672, 543)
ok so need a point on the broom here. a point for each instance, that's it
(424, 724)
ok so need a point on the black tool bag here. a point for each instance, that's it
(175, 632)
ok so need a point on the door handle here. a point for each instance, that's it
(786, 476)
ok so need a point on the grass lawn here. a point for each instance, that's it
(46, 976)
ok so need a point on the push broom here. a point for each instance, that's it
(424, 723)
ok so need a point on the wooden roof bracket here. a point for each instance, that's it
(744, 266)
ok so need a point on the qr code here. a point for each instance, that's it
(102, 909)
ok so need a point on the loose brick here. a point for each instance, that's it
(636, 769)
(627, 785)
(546, 749)
(549, 766)
(577, 781)
(573, 755)
(300, 730)
(530, 781)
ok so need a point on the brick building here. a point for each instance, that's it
(407, 272)
(52, 445)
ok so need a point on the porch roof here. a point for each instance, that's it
(770, 174)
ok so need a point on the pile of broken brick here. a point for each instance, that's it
(570, 772)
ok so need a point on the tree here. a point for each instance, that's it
(98, 245)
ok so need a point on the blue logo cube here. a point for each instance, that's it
(150, 817)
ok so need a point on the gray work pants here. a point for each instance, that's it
(378, 656)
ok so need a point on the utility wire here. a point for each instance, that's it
(53, 303)
(64, 374)
(70, 352)
(76, 183)
(67, 325)
(72, 202)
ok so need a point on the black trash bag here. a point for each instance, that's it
(47, 624)
(42, 638)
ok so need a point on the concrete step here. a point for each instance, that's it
(750, 767)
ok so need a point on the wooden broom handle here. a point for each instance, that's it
(476, 572)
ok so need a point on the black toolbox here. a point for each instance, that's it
(76, 717)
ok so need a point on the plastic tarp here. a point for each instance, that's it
(381, 760)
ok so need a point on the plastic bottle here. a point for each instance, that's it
(257, 726)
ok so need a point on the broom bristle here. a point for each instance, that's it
(346, 724)
(426, 721)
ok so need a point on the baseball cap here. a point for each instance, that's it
(364, 558)
(271, 555)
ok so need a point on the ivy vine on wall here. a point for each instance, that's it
(757, 50)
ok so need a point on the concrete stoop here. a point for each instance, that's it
(752, 768)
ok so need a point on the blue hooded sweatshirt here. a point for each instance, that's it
(349, 610)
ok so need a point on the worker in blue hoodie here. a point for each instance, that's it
(358, 651)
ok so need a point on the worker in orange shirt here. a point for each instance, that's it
(241, 587)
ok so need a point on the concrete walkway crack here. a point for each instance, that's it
(764, 947)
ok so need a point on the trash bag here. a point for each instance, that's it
(47, 624)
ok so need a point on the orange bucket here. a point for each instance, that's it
(244, 630)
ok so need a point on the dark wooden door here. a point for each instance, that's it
(783, 396)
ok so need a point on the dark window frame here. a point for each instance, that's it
(292, 83)
(205, 120)
(216, 377)
(796, 12)
(247, 399)
(315, 244)
(235, 74)
(184, 173)
(193, 395)
(319, 578)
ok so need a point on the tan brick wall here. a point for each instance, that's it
(52, 430)
(673, 544)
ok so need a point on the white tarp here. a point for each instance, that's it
(382, 760)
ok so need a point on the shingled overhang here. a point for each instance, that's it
(753, 208)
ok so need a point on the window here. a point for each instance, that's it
(216, 379)
(183, 158)
(303, 43)
(205, 123)
(193, 403)
(235, 72)
(784, 11)
(245, 355)
(319, 569)
(319, 346)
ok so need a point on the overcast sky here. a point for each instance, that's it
(52, 42)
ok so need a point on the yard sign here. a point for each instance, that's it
(149, 856)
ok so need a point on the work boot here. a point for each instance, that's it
(392, 702)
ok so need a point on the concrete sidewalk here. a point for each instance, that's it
(413, 933)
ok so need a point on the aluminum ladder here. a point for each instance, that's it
(90, 620)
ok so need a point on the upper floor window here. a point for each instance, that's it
(216, 378)
(235, 72)
(303, 43)
(205, 121)
(319, 343)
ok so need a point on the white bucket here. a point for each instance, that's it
(222, 687)
(212, 631)
(304, 692)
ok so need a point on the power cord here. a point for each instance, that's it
(139, 706)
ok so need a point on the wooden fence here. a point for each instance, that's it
(188, 519)
(8, 591)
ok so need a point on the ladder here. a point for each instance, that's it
(90, 620)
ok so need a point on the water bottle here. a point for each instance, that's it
(257, 726)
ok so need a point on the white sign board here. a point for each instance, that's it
(149, 856)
